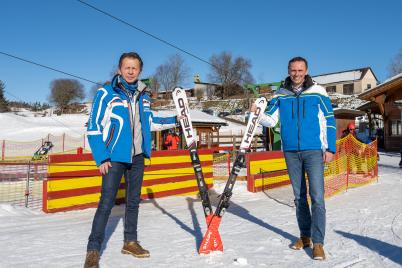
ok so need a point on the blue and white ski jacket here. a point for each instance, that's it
(110, 126)
(307, 119)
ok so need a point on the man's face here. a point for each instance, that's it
(297, 71)
(130, 69)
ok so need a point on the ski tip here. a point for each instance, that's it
(177, 89)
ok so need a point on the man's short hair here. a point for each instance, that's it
(298, 59)
(132, 55)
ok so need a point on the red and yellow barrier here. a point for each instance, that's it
(74, 182)
(354, 164)
(266, 170)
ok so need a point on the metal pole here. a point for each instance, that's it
(63, 138)
(3, 149)
(228, 164)
(348, 158)
(27, 185)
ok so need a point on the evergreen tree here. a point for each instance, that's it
(3, 102)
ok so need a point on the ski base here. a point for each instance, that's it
(212, 239)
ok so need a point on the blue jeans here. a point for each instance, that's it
(310, 162)
(133, 174)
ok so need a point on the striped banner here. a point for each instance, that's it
(266, 170)
(74, 181)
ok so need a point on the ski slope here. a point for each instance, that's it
(364, 229)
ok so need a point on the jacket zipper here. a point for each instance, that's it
(304, 109)
(298, 123)
(293, 113)
(110, 137)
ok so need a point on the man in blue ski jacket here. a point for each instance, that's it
(119, 133)
(308, 134)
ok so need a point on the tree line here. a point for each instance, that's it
(230, 72)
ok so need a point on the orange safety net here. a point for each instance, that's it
(354, 164)
(20, 150)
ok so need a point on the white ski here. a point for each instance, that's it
(180, 100)
(252, 124)
(181, 103)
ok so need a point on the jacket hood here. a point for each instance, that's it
(308, 82)
(117, 85)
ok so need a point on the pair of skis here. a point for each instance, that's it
(212, 240)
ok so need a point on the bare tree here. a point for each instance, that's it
(155, 85)
(232, 73)
(395, 66)
(3, 102)
(172, 73)
(64, 92)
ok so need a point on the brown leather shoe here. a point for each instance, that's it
(92, 259)
(318, 252)
(302, 242)
(133, 248)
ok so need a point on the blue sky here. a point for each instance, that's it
(67, 35)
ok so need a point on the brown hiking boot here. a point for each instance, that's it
(133, 248)
(318, 252)
(302, 242)
(92, 259)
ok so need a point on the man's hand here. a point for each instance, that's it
(180, 117)
(328, 156)
(253, 108)
(104, 168)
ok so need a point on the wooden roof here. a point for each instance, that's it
(342, 113)
(391, 89)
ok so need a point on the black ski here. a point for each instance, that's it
(212, 240)
(181, 103)
(223, 203)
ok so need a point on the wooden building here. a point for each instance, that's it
(206, 126)
(386, 100)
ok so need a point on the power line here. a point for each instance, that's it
(147, 33)
(155, 37)
(47, 67)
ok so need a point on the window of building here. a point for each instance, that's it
(203, 140)
(348, 89)
(331, 89)
(368, 86)
(396, 128)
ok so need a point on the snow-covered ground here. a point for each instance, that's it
(25, 126)
(28, 126)
(364, 229)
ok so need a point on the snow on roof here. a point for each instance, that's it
(380, 87)
(391, 78)
(339, 77)
(196, 116)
